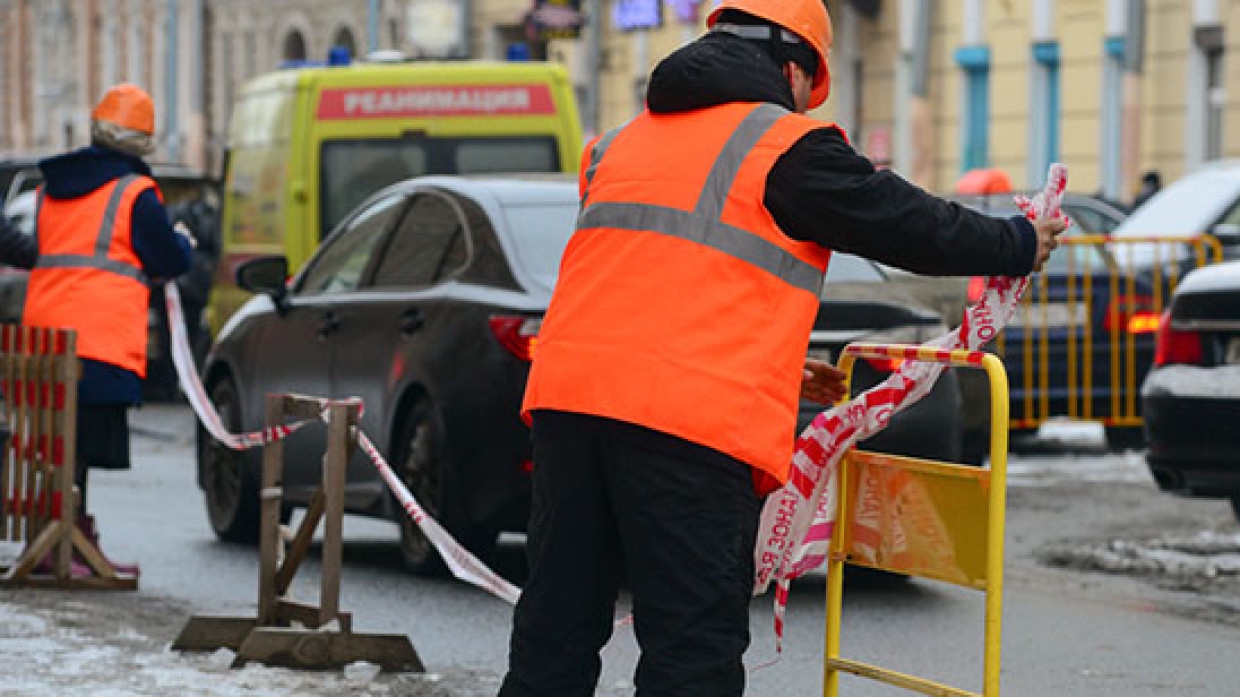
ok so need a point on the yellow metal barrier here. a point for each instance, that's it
(1076, 362)
(936, 520)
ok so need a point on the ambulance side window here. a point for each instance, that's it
(354, 170)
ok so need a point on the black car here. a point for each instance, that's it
(1192, 396)
(426, 303)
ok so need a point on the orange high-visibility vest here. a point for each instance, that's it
(681, 306)
(88, 277)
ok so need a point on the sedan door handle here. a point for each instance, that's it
(328, 324)
(411, 321)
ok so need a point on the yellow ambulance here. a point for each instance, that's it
(307, 145)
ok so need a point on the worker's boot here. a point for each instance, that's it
(47, 565)
(86, 523)
(77, 568)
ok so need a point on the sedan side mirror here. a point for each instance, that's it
(268, 275)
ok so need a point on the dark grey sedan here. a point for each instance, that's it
(424, 303)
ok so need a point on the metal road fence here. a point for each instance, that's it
(1083, 339)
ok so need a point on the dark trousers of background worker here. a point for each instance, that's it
(675, 520)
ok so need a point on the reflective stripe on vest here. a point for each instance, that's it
(703, 225)
(103, 241)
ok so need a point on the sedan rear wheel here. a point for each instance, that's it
(420, 466)
(426, 470)
(232, 495)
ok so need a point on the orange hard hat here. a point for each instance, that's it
(807, 19)
(127, 106)
(984, 181)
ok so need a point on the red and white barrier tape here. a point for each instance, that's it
(183, 360)
(463, 564)
(797, 522)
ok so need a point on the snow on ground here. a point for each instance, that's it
(1206, 555)
(1068, 451)
(57, 648)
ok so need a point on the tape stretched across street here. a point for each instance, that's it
(797, 522)
(463, 564)
(183, 361)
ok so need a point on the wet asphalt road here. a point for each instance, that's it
(1067, 631)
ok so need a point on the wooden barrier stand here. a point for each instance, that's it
(38, 503)
(325, 639)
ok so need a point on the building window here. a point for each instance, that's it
(294, 46)
(395, 34)
(1044, 111)
(344, 38)
(975, 136)
(516, 41)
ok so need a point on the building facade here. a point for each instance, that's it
(58, 57)
(933, 88)
(930, 88)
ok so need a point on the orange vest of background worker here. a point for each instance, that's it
(701, 235)
(87, 262)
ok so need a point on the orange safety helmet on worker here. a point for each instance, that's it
(708, 252)
(127, 106)
(808, 19)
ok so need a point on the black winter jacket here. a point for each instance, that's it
(822, 191)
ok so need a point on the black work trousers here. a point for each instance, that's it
(675, 520)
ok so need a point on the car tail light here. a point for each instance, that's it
(1134, 314)
(517, 334)
(1175, 346)
(1144, 323)
(977, 288)
(885, 365)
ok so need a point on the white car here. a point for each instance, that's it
(1205, 201)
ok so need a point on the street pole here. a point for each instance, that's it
(593, 31)
(372, 26)
(173, 61)
(1134, 53)
(641, 56)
